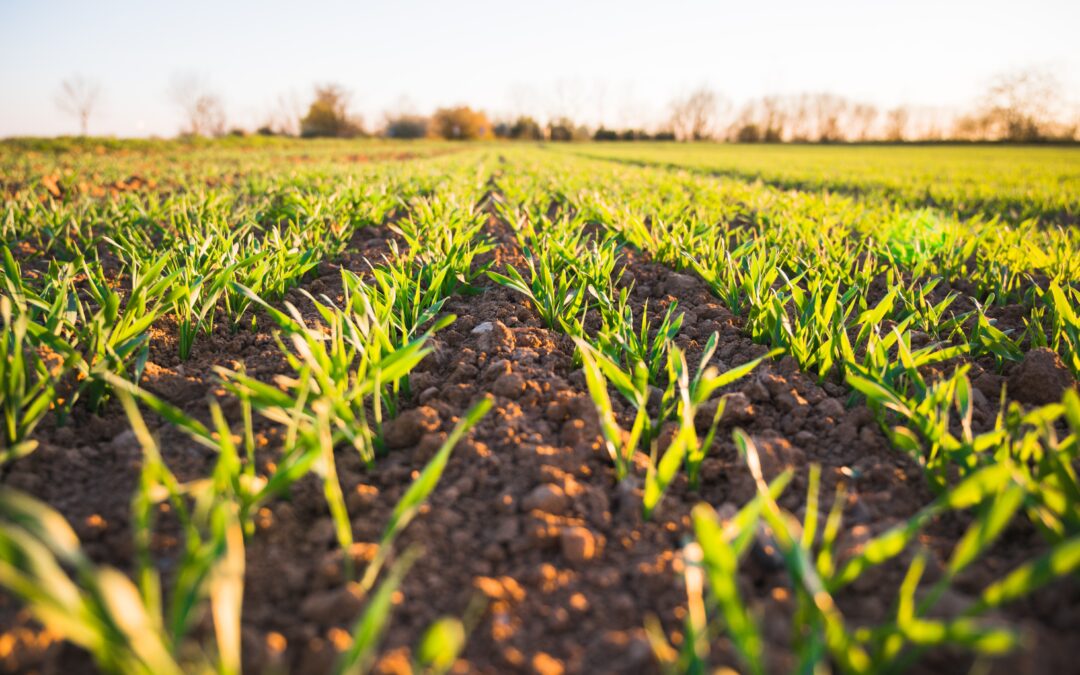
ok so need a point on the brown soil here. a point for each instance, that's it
(528, 522)
(1041, 378)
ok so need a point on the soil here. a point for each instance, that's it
(528, 530)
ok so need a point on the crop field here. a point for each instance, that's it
(1011, 183)
(301, 406)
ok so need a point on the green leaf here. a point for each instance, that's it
(1062, 560)
(441, 644)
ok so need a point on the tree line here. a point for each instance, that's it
(1022, 106)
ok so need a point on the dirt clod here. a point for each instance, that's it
(1041, 378)
(510, 385)
(578, 545)
(547, 498)
(409, 427)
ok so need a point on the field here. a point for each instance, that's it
(280, 406)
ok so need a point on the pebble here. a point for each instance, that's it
(548, 498)
(483, 327)
(578, 545)
(544, 664)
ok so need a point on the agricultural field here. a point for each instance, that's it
(1011, 183)
(289, 406)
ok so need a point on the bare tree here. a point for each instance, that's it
(1020, 105)
(896, 123)
(929, 123)
(694, 116)
(803, 124)
(863, 117)
(774, 119)
(77, 97)
(204, 114)
(828, 111)
(284, 115)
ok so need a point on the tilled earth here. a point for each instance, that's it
(528, 535)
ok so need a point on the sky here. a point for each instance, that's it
(618, 63)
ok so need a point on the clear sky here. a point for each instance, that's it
(619, 62)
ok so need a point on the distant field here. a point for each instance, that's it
(276, 406)
(1011, 182)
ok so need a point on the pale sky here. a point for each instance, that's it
(616, 62)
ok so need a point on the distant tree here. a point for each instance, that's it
(603, 134)
(1019, 106)
(77, 97)
(748, 133)
(461, 123)
(807, 117)
(283, 116)
(803, 127)
(563, 129)
(827, 111)
(204, 114)
(896, 123)
(773, 119)
(762, 120)
(931, 124)
(863, 117)
(526, 128)
(328, 115)
(694, 115)
(406, 125)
